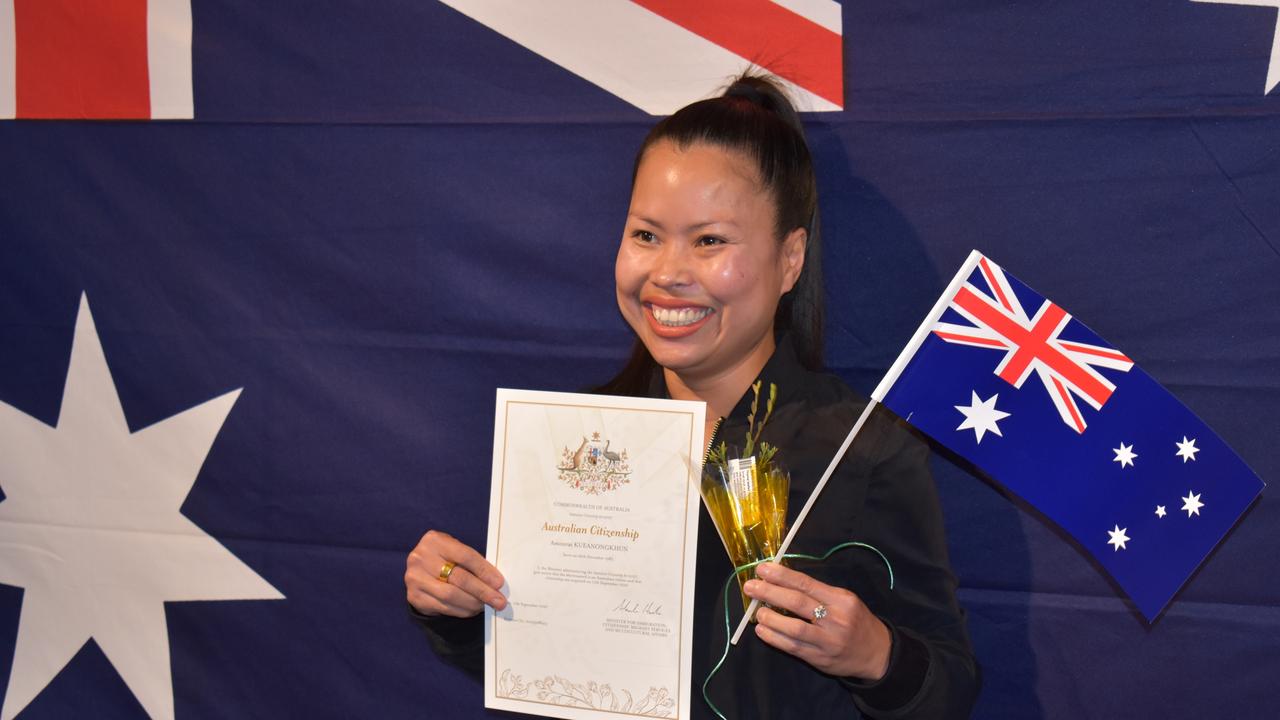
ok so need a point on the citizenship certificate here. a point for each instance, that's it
(593, 518)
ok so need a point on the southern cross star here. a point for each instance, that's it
(91, 529)
(1191, 503)
(1118, 538)
(1124, 455)
(981, 416)
(1187, 449)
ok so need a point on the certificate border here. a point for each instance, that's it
(684, 546)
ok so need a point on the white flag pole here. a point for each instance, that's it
(877, 396)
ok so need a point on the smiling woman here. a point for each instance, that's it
(700, 272)
(724, 204)
(718, 274)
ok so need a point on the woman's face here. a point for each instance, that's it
(700, 270)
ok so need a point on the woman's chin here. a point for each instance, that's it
(674, 357)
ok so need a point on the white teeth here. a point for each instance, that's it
(678, 318)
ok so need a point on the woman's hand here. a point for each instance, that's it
(445, 577)
(849, 641)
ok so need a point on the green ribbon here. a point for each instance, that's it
(790, 556)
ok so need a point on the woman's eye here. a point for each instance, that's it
(644, 236)
(709, 240)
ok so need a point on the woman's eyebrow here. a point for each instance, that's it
(699, 226)
(646, 220)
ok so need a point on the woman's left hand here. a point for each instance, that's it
(849, 641)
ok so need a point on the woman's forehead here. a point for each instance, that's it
(703, 167)
(710, 155)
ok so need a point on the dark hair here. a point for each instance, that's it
(753, 117)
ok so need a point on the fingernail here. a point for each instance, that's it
(764, 571)
(498, 602)
(750, 587)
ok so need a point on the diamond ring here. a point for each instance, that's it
(819, 612)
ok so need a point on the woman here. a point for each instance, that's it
(718, 274)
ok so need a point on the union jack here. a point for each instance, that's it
(660, 55)
(1032, 344)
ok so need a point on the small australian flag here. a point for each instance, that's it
(1017, 386)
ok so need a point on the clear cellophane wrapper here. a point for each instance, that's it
(747, 501)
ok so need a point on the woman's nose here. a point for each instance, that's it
(672, 268)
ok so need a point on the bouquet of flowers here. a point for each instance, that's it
(745, 491)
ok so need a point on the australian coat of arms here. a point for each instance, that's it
(594, 468)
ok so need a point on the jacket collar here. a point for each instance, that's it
(783, 369)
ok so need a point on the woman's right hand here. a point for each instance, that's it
(467, 588)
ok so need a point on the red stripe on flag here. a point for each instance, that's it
(1034, 344)
(1114, 355)
(767, 34)
(81, 59)
(955, 337)
(995, 286)
(1076, 421)
(1031, 344)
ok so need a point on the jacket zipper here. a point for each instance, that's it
(711, 441)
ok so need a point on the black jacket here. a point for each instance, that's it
(881, 494)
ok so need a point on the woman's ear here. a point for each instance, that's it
(793, 247)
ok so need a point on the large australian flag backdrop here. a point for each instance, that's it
(1016, 385)
(262, 265)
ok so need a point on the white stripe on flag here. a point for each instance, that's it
(629, 51)
(820, 12)
(169, 59)
(8, 63)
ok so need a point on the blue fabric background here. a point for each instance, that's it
(382, 214)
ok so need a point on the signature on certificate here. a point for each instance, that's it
(635, 607)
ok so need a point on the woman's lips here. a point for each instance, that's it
(676, 322)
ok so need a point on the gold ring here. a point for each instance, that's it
(445, 571)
